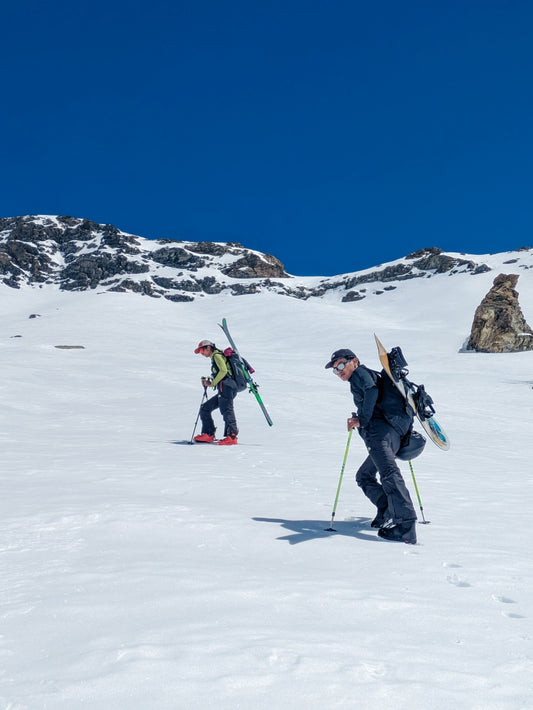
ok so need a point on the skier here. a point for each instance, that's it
(382, 420)
(222, 380)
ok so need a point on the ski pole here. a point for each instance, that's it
(199, 410)
(331, 528)
(424, 521)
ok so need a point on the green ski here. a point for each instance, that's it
(252, 386)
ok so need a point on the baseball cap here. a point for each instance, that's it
(342, 353)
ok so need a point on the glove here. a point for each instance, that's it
(353, 423)
(206, 382)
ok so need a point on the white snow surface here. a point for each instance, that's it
(144, 574)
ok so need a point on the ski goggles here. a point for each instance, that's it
(340, 367)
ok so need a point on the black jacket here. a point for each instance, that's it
(376, 397)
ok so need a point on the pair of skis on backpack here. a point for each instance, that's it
(237, 361)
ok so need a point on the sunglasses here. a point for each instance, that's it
(340, 367)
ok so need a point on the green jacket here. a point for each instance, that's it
(219, 368)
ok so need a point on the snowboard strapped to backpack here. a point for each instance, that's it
(416, 396)
(422, 400)
(236, 368)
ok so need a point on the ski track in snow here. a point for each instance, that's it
(138, 573)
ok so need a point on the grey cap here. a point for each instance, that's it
(204, 344)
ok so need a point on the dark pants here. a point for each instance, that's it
(382, 443)
(223, 400)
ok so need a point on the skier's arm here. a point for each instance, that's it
(220, 361)
(370, 396)
(367, 407)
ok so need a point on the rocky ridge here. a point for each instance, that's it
(79, 254)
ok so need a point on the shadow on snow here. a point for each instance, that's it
(304, 530)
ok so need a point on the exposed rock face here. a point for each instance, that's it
(79, 254)
(499, 325)
(255, 266)
(432, 259)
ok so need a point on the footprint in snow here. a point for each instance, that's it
(454, 579)
(502, 599)
(506, 600)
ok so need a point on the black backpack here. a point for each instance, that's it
(236, 364)
(423, 402)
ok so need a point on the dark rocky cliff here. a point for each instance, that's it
(79, 254)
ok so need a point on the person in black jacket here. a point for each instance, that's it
(383, 418)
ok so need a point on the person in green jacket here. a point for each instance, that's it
(222, 381)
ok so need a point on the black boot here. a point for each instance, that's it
(381, 518)
(404, 532)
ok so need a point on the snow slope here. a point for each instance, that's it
(140, 573)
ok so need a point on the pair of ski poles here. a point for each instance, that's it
(331, 528)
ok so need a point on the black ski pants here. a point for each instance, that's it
(223, 400)
(382, 443)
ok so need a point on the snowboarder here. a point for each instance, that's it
(221, 379)
(382, 420)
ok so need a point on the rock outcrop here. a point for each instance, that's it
(499, 325)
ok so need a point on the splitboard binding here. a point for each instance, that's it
(416, 396)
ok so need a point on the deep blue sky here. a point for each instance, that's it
(334, 134)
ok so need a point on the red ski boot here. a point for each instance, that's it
(230, 440)
(204, 438)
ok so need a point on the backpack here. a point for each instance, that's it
(236, 363)
(394, 407)
(390, 404)
(422, 400)
(412, 443)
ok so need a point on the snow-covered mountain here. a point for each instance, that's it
(78, 254)
(140, 573)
